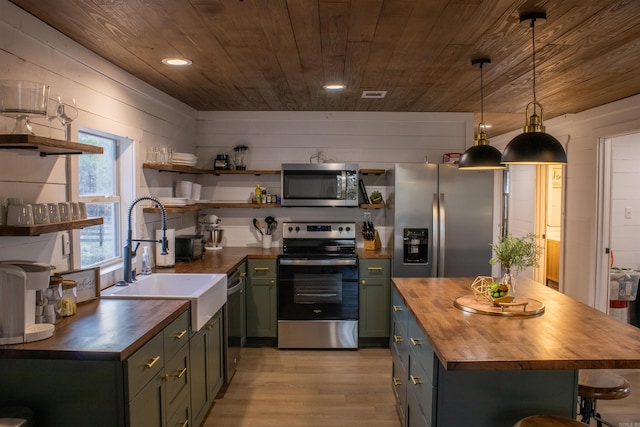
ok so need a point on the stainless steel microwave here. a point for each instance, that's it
(319, 184)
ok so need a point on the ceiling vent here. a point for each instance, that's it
(379, 94)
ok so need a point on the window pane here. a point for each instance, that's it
(100, 242)
(97, 171)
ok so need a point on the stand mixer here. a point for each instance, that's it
(210, 227)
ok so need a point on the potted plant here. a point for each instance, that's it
(515, 253)
(376, 197)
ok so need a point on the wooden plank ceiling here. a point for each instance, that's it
(275, 55)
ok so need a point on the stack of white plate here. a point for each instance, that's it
(184, 159)
(173, 201)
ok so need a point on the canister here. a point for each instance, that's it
(69, 298)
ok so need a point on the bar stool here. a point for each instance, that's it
(596, 384)
(548, 421)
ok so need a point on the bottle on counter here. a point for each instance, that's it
(146, 263)
(258, 193)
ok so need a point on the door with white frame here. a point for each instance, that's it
(618, 216)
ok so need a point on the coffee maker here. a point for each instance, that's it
(19, 283)
(210, 229)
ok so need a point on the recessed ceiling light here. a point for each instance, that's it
(334, 86)
(176, 61)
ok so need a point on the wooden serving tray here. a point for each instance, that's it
(521, 307)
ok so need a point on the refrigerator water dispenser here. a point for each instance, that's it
(415, 243)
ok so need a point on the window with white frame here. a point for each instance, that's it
(99, 188)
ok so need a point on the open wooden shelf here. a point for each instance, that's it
(247, 172)
(212, 205)
(371, 206)
(175, 168)
(372, 171)
(46, 146)
(189, 169)
(37, 229)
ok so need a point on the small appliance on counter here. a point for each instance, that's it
(19, 282)
(189, 247)
(210, 229)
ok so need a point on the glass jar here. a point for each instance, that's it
(69, 298)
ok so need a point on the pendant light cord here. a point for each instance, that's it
(533, 37)
(481, 98)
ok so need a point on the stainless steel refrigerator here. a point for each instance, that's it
(442, 220)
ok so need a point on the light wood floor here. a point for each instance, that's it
(308, 388)
(334, 388)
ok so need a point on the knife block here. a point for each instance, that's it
(372, 245)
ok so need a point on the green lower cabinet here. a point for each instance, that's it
(262, 299)
(374, 294)
(158, 377)
(207, 368)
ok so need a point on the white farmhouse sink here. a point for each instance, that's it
(207, 292)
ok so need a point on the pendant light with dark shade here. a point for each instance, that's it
(534, 146)
(481, 156)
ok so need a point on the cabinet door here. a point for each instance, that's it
(198, 363)
(147, 409)
(206, 360)
(215, 362)
(374, 298)
(262, 319)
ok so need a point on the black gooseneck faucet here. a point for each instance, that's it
(129, 252)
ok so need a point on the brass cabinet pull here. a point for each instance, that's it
(243, 274)
(397, 338)
(374, 268)
(273, 282)
(416, 341)
(396, 382)
(415, 380)
(185, 423)
(152, 362)
(397, 308)
(181, 373)
(180, 334)
(261, 269)
(364, 282)
(165, 377)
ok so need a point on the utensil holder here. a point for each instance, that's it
(372, 245)
(266, 241)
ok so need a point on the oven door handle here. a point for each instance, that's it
(318, 261)
(316, 295)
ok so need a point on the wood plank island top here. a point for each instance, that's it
(569, 335)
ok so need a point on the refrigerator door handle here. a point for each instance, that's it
(441, 249)
(435, 238)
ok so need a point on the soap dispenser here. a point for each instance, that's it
(146, 263)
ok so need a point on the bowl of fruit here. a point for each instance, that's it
(499, 293)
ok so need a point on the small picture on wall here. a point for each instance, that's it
(556, 177)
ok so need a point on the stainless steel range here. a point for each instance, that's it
(318, 286)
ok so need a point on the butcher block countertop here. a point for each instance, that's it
(228, 259)
(102, 329)
(568, 335)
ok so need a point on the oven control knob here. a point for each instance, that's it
(348, 228)
(290, 228)
(340, 229)
(297, 229)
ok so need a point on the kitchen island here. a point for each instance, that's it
(453, 367)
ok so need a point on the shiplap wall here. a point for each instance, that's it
(109, 100)
(373, 140)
